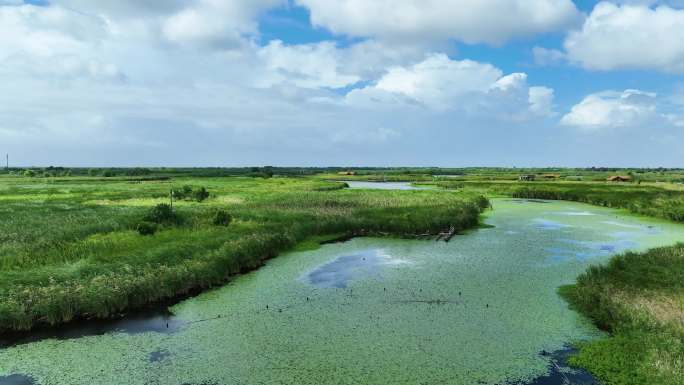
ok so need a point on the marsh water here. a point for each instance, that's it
(482, 309)
(353, 184)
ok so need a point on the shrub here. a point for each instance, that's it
(222, 218)
(161, 213)
(482, 202)
(182, 193)
(146, 228)
(200, 194)
(30, 173)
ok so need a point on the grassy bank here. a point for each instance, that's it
(650, 200)
(640, 299)
(70, 248)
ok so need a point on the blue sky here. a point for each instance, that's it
(348, 82)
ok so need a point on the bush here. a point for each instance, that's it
(29, 173)
(146, 228)
(161, 213)
(222, 218)
(482, 202)
(200, 194)
(182, 193)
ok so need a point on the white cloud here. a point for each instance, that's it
(547, 57)
(124, 8)
(612, 109)
(307, 65)
(541, 101)
(440, 83)
(471, 21)
(193, 23)
(629, 36)
(215, 22)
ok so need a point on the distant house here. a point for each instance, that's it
(619, 178)
(527, 178)
(551, 176)
(346, 173)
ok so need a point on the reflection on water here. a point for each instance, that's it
(548, 224)
(16, 379)
(477, 310)
(340, 271)
(152, 320)
(385, 185)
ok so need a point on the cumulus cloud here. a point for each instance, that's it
(53, 42)
(124, 8)
(611, 109)
(470, 21)
(215, 22)
(440, 83)
(146, 82)
(632, 36)
(192, 23)
(306, 65)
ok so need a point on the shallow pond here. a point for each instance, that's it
(481, 309)
(385, 185)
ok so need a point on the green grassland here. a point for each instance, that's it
(70, 248)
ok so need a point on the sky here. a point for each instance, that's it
(451, 83)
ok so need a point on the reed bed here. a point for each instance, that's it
(639, 297)
(71, 250)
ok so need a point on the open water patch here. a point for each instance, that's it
(152, 320)
(344, 269)
(547, 224)
(16, 379)
(561, 373)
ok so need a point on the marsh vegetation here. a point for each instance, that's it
(82, 249)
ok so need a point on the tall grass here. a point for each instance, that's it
(639, 199)
(639, 297)
(72, 251)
